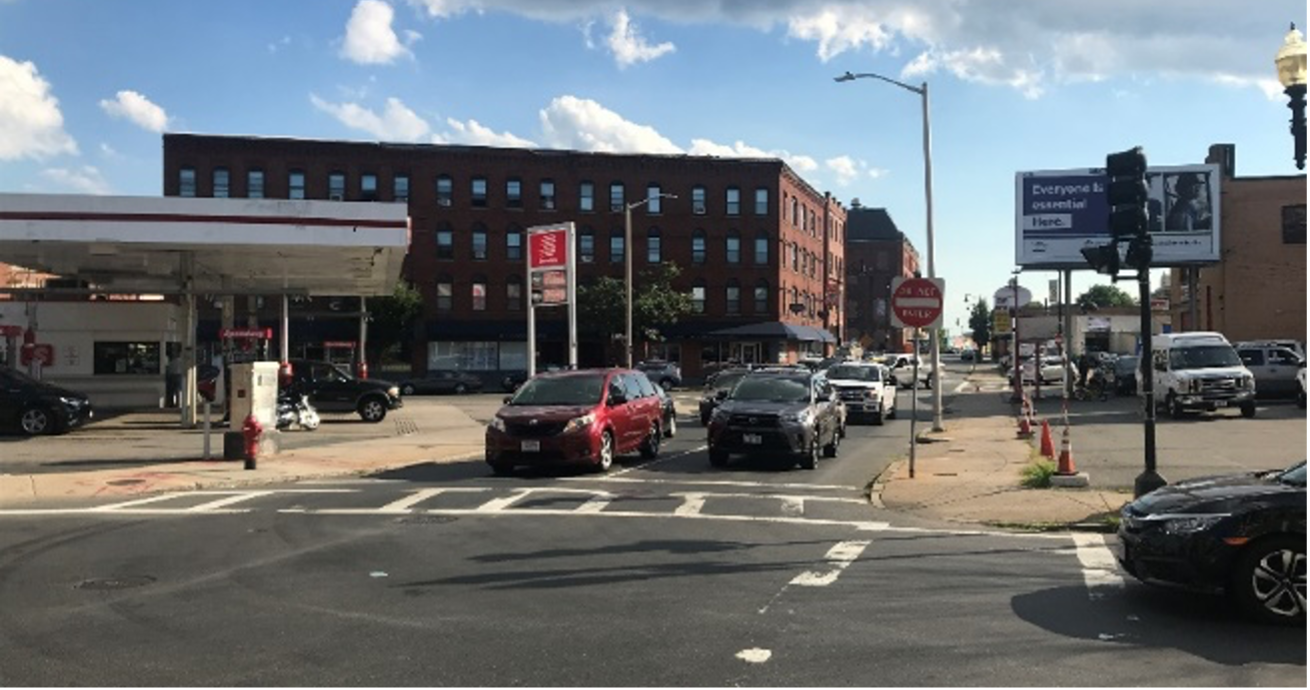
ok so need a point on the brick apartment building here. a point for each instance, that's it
(1258, 290)
(876, 252)
(759, 249)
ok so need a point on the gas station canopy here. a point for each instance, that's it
(142, 245)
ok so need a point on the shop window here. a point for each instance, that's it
(126, 358)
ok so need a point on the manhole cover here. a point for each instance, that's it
(125, 482)
(127, 582)
(426, 520)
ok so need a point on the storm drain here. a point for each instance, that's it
(406, 426)
(115, 583)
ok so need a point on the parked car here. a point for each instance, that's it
(1294, 345)
(716, 389)
(584, 417)
(442, 381)
(1241, 534)
(1274, 369)
(667, 374)
(332, 389)
(1052, 370)
(867, 389)
(35, 407)
(1199, 371)
(669, 411)
(1125, 375)
(511, 381)
(791, 413)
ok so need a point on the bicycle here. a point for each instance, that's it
(1097, 387)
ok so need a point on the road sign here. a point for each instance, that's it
(1010, 298)
(1001, 322)
(917, 302)
(11, 331)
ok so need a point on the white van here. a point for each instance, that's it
(1200, 371)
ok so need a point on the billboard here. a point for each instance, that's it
(1058, 212)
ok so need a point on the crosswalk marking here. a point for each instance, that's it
(219, 503)
(691, 504)
(596, 503)
(403, 505)
(1099, 567)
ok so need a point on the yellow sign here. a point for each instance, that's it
(1000, 322)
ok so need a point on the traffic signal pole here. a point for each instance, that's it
(1149, 480)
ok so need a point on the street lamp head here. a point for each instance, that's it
(1290, 59)
(845, 77)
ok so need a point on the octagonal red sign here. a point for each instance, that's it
(917, 302)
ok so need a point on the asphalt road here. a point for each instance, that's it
(662, 573)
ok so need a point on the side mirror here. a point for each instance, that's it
(892, 380)
(616, 400)
(720, 394)
(507, 399)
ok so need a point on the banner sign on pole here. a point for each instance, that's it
(552, 281)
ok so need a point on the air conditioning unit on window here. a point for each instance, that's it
(335, 197)
(698, 209)
(548, 204)
(617, 208)
(443, 202)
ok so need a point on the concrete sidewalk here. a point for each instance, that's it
(447, 434)
(971, 473)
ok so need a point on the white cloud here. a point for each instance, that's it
(739, 149)
(396, 123)
(443, 9)
(570, 122)
(279, 44)
(137, 109)
(848, 170)
(629, 47)
(476, 134)
(370, 40)
(31, 125)
(108, 151)
(84, 180)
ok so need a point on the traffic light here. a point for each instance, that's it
(1139, 253)
(1103, 258)
(1126, 193)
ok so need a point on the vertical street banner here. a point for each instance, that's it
(552, 282)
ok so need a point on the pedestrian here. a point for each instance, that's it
(1084, 366)
(173, 379)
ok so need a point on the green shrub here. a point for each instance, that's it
(1037, 475)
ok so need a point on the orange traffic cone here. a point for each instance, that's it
(1025, 421)
(1065, 465)
(1048, 447)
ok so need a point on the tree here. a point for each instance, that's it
(391, 323)
(980, 322)
(1104, 296)
(656, 304)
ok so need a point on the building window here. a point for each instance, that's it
(733, 244)
(479, 294)
(762, 297)
(698, 200)
(698, 297)
(653, 246)
(445, 190)
(337, 186)
(1294, 224)
(479, 192)
(255, 184)
(587, 246)
(514, 293)
(296, 184)
(586, 197)
(445, 294)
(733, 200)
(514, 244)
(734, 298)
(186, 182)
(761, 201)
(514, 193)
(616, 247)
(126, 358)
(616, 196)
(221, 183)
(653, 199)
(795, 259)
(368, 187)
(548, 195)
(479, 243)
(400, 188)
(761, 250)
(795, 211)
(445, 242)
(698, 246)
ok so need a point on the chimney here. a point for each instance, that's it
(1226, 156)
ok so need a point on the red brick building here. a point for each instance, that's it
(876, 252)
(759, 249)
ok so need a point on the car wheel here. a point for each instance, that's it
(671, 426)
(810, 460)
(877, 416)
(37, 421)
(461, 389)
(666, 384)
(605, 458)
(372, 410)
(891, 413)
(650, 449)
(1269, 581)
(1248, 410)
(1300, 400)
(1174, 408)
(830, 450)
(407, 389)
(718, 458)
(704, 420)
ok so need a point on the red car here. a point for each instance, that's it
(576, 417)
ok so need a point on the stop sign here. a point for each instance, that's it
(917, 302)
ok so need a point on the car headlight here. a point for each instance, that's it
(70, 402)
(579, 423)
(1186, 523)
(394, 391)
(497, 423)
(802, 417)
(1248, 382)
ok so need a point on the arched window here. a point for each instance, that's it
(445, 241)
(762, 249)
(587, 245)
(653, 254)
(733, 294)
(514, 243)
(616, 247)
(479, 242)
(698, 246)
(445, 293)
(478, 292)
(698, 296)
(733, 245)
(762, 297)
(514, 292)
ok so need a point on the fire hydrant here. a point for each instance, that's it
(251, 431)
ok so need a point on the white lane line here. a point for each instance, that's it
(153, 499)
(228, 501)
(708, 482)
(839, 557)
(403, 505)
(498, 504)
(691, 504)
(657, 461)
(1099, 566)
(596, 503)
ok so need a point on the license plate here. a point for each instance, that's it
(530, 446)
(753, 439)
(1221, 403)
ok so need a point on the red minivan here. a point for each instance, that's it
(576, 417)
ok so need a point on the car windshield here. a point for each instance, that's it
(1204, 357)
(1295, 475)
(1125, 364)
(850, 373)
(725, 382)
(771, 389)
(561, 390)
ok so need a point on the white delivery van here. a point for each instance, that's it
(1199, 371)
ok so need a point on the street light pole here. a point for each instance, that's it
(922, 91)
(627, 266)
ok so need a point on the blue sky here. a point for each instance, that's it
(87, 87)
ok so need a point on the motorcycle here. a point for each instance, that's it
(293, 409)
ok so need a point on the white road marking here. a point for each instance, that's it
(228, 501)
(795, 506)
(499, 504)
(710, 482)
(840, 557)
(657, 461)
(151, 499)
(403, 505)
(754, 655)
(1099, 567)
(691, 504)
(596, 503)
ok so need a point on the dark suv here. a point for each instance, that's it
(36, 407)
(332, 389)
(774, 412)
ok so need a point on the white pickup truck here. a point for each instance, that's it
(868, 389)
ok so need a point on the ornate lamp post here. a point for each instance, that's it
(1290, 61)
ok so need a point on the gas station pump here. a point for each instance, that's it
(10, 335)
(242, 346)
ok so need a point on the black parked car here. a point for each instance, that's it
(332, 389)
(716, 389)
(777, 412)
(669, 412)
(1242, 534)
(35, 407)
(442, 381)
